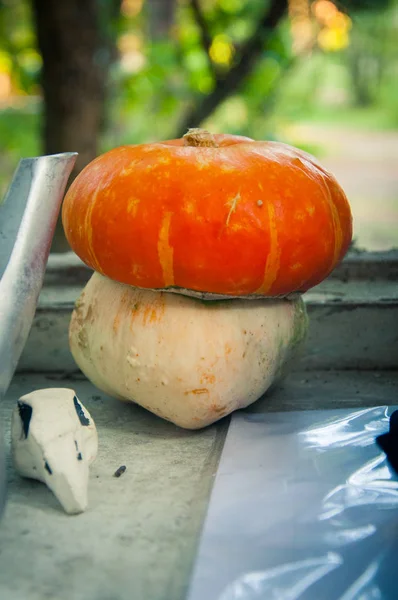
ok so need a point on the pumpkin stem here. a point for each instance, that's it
(199, 138)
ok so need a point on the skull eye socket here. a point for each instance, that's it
(25, 414)
(79, 411)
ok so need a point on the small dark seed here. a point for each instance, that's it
(120, 471)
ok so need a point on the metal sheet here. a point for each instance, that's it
(304, 506)
(28, 217)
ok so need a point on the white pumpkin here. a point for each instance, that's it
(187, 360)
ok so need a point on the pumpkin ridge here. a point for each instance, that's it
(338, 234)
(89, 232)
(165, 250)
(272, 263)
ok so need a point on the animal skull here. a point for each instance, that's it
(54, 440)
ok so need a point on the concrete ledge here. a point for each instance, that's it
(368, 265)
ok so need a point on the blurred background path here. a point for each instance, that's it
(366, 165)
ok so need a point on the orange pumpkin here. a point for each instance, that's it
(220, 214)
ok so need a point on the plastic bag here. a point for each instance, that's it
(304, 507)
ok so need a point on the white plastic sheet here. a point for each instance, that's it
(304, 507)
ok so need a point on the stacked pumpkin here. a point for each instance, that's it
(202, 248)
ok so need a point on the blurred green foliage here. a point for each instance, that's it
(157, 80)
(18, 52)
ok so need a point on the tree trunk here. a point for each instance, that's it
(75, 62)
(161, 15)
